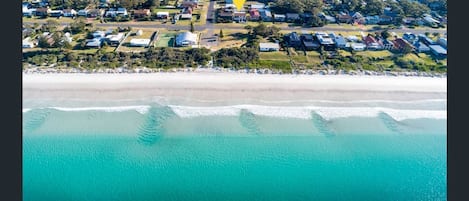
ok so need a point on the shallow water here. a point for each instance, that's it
(160, 154)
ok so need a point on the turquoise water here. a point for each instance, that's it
(159, 155)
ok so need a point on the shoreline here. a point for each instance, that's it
(219, 89)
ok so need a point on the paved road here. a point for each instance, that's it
(220, 26)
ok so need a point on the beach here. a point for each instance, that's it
(198, 89)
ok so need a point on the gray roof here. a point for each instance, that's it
(438, 49)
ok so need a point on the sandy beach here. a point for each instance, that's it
(229, 88)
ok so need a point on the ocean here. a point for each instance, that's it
(373, 151)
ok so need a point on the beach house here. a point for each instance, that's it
(185, 39)
(139, 42)
(269, 47)
(438, 51)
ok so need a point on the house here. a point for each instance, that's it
(188, 4)
(438, 51)
(94, 13)
(352, 38)
(421, 47)
(401, 44)
(410, 37)
(430, 20)
(142, 13)
(266, 15)
(309, 43)
(185, 16)
(426, 40)
(325, 40)
(344, 18)
(239, 16)
(340, 41)
(94, 43)
(56, 13)
(279, 17)
(115, 40)
(187, 10)
(389, 12)
(306, 15)
(257, 6)
(327, 18)
(162, 15)
(443, 42)
(185, 39)
(358, 18)
(292, 17)
(371, 43)
(28, 43)
(98, 34)
(387, 45)
(139, 42)
(409, 20)
(225, 16)
(384, 19)
(83, 12)
(254, 15)
(113, 12)
(357, 46)
(372, 19)
(42, 12)
(292, 39)
(69, 13)
(29, 12)
(269, 47)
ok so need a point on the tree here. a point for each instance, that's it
(192, 27)
(385, 34)
(436, 34)
(51, 25)
(374, 7)
(221, 33)
(78, 26)
(414, 8)
(42, 42)
(153, 3)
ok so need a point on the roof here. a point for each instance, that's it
(293, 15)
(421, 45)
(140, 41)
(399, 42)
(186, 36)
(162, 13)
(279, 16)
(357, 45)
(340, 40)
(142, 12)
(307, 37)
(438, 49)
(186, 16)
(254, 12)
(269, 46)
(293, 36)
(256, 6)
(369, 40)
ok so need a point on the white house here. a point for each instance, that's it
(358, 46)
(139, 42)
(268, 47)
(162, 15)
(186, 39)
(185, 16)
(443, 42)
(94, 43)
(27, 43)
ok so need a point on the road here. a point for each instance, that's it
(210, 26)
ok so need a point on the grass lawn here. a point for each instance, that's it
(386, 63)
(379, 54)
(313, 57)
(165, 40)
(344, 53)
(42, 20)
(278, 56)
(300, 59)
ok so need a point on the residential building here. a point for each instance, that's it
(387, 45)
(266, 15)
(340, 42)
(327, 18)
(42, 12)
(94, 13)
(426, 40)
(239, 16)
(269, 47)
(94, 43)
(28, 43)
(421, 47)
(344, 18)
(443, 42)
(371, 43)
(162, 15)
(56, 13)
(410, 37)
(257, 6)
(279, 17)
(401, 44)
(139, 42)
(186, 39)
(325, 40)
(292, 17)
(438, 51)
(83, 12)
(142, 13)
(309, 43)
(254, 15)
(293, 39)
(69, 12)
(357, 46)
(372, 19)
(185, 16)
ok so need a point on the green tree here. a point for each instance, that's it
(221, 34)
(374, 7)
(385, 34)
(51, 25)
(192, 27)
(78, 26)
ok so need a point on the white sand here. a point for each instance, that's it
(230, 88)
